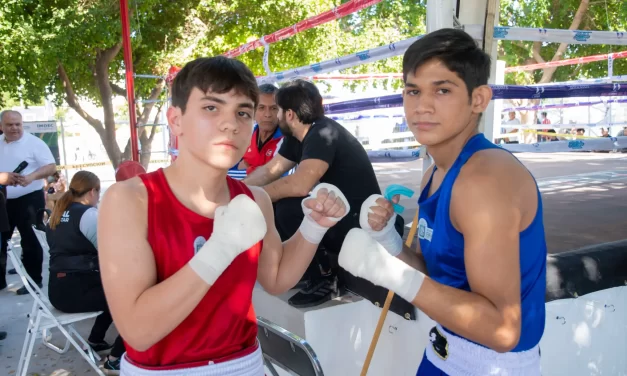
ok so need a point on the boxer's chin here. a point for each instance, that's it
(224, 160)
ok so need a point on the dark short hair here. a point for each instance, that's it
(303, 98)
(456, 50)
(267, 89)
(218, 74)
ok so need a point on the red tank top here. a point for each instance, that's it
(224, 321)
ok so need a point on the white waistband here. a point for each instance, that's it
(463, 357)
(249, 365)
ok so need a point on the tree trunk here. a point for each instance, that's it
(106, 91)
(145, 139)
(547, 73)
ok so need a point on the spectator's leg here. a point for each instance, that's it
(118, 348)
(32, 253)
(82, 292)
(3, 263)
(4, 241)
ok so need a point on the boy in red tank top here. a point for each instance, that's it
(181, 248)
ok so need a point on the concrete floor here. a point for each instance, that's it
(585, 201)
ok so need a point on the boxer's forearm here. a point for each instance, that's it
(152, 317)
(470, 315)
(292, 260)
(414, 259)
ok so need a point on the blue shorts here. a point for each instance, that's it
(428, 369)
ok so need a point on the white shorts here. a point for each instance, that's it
(249, 365)
(457, 356)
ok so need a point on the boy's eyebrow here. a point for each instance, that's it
(214, 99)
(246, 105)
(434, 83)
(442, 82)
(222, 101)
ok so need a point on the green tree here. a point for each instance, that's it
(70, 49)
(606, 15)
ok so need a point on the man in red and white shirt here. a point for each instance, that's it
(267, 136)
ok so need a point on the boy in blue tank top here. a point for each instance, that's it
(479, 269)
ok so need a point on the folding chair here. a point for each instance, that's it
(287, 350)
(44, 317)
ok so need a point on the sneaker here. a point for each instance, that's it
(100, 346)
(316, 293)
(12, 271)
(3, 335)
(23, 291)
(111, 367)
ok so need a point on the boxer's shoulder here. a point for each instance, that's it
(262, 199)
(132, 188)
(131, 195)
(495, 168)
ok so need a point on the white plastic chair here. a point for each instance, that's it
(43, 317)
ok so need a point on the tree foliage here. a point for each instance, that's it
(71, 49)
(606, 15)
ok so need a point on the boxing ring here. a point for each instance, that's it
(586, 296)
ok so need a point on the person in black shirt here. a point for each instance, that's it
(75, 284)
(325, 153)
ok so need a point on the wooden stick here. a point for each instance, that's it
(386, 305)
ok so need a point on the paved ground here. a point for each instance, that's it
(585, 200)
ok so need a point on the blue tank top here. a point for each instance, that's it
(443, 248)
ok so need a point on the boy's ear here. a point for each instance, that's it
(174, 115)
(481, 98)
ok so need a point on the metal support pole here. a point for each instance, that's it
(130, 83)
(67, 177)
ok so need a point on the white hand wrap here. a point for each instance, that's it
(236, 227)
(310, 229)
(363, 257)
(388, 237)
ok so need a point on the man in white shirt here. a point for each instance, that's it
(26, 196)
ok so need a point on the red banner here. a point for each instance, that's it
(322, 18)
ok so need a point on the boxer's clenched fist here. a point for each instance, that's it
(324, 207)
(377, 212)
(377, 218)
(240, 223)
(236, 227)
(364, 257)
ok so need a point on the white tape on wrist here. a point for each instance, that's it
(236, 227)
(212, 262)
(388, 237)
(364, 257)
(309, 228)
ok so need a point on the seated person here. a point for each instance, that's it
(266, 135)
(75, 284)
(327, 153)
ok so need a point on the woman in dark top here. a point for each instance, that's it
(75, 284)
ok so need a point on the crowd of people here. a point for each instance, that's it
(171, 257)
